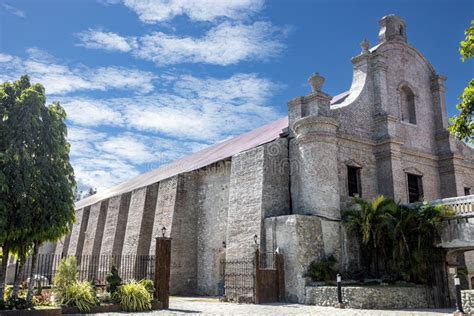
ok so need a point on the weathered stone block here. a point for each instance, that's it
(134, 222)
(110, 226)
(76, 241)
(300, 239)
(165, 207)
(95, 228)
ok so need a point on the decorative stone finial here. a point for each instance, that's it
(365, 45)
(316, 81)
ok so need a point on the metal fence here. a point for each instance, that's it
(239, 280)
(93, 268)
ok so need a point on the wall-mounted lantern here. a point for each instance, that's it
(255, 239)
(223, 244)
(163, 231)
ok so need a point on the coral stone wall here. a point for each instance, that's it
(370, 297)
(212, 188)
(467, 298)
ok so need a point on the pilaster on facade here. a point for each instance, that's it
(378, 69)
(439, 102)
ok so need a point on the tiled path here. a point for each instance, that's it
(211, 306)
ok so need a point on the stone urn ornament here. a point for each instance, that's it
(316, 81)
(365, 45)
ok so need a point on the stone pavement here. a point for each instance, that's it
(212, 306)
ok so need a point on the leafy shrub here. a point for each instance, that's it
(9, 303)
(43, 299)
(149, 286)
(322, 270)
(65, 276)
(391, 278)
(355, 274)
(113, 280)
(134, 297)
(80, 295)
(105, 298)
(18, 303)
(7, 292)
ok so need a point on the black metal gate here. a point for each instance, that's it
(91, 268)
(239, 280)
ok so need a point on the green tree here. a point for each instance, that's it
(36, 179)
(372, 224)
(416, 232)
(462, 125)
(91, 191)
(398, 240)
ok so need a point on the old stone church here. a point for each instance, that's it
(287, 181)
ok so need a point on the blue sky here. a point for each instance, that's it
(146, 82)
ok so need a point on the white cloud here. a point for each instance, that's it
(4, 58)
(82, 141)
(225, 44)
(193, 108)
(92, 166)
(98, 39)
(114, 139)
(102, 171)
(62, 79)
(129, 148)
(153, 11)
(13, 10)
(101, 160)
(91, 113)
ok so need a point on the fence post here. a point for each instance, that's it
(257, 277)
(162, 270)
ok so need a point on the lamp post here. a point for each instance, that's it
(457, 284)
(339, 291)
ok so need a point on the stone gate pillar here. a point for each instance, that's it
(162, 270)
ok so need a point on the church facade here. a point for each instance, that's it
(288, 181)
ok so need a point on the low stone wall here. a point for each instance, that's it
(376, 297)
(467, 297)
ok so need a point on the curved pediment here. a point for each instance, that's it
(353, 163)
(406, 47)
(413, 170)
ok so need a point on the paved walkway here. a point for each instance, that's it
(212, 306)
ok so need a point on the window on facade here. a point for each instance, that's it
(353, 181)
(467, 191)
(407, 101)
(415, 188)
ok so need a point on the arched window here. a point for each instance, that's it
(407, 101)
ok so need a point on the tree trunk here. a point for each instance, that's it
(3, 269)
(18, 276)
(376, 263)
(29, 296)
